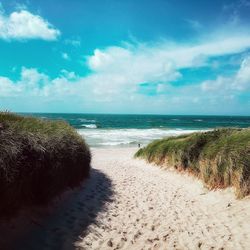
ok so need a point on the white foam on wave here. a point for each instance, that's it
(89, 125)
(86, 120)
(115, 137)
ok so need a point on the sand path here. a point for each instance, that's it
(128, 204)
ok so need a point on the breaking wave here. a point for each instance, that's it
(89, 126)
(132, 137)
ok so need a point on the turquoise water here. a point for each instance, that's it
(124, 130)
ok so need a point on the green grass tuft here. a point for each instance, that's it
(221, 158)
(39, 159)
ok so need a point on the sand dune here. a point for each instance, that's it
(128, 204)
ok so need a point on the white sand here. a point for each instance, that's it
(129, 204)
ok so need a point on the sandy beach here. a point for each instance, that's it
(129, 204)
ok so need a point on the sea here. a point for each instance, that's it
(109, 130)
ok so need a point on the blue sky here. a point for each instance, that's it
(133, 56)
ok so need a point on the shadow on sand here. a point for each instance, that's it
(64, 223)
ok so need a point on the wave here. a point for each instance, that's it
(89, 125)
(115, 137)
(198, 120)
(85, 120)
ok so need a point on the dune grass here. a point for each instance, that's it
(39, 159)
(220, 158)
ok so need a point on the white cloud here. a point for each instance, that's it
(7, 88)
(213, 85)
(105, 94)
(31, 83)
(163, 88)
(65, 56)
(69, 74)
(119, 70)
(135, 66)
(238, 82)
(242, 80)
(76, 42)
(22, 25)
(117, 74)
(160, 59)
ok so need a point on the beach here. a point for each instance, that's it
(124, 125)
(130, 204)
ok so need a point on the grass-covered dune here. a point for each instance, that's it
(39, 159)
(220, 158)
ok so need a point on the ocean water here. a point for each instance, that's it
(100, 130)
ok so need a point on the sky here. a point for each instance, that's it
(125, 56)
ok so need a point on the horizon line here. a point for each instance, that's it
(138, 114)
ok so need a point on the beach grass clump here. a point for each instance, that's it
(220, 158)
(39, 159)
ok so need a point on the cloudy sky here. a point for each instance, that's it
(125, 56)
